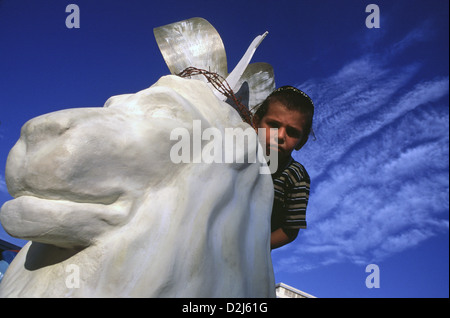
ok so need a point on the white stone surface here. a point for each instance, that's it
(95, 188)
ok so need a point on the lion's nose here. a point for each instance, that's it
(45, 127)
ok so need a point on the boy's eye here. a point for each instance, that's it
(294, 133)
(273, 124)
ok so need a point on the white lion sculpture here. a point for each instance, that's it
(108, 214)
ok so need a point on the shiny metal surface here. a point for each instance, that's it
(261, 82)
(196, 43)
(236, 74)
(193, 42)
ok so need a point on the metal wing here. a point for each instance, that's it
(196, 43)
(258, 81)
(193, 42)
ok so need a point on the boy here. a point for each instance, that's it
(290, 111)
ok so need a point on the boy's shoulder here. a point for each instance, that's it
(295, 172)
(299, 171)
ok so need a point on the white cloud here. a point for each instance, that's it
(3, 184)
(379, 167)
(423, 33)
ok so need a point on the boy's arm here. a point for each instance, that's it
(278, 238)
(296, 202)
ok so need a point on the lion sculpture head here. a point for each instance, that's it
(108, 214)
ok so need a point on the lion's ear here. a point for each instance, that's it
(117, 100)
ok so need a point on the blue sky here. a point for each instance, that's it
(379, 166)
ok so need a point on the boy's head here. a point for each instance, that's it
(290, 111)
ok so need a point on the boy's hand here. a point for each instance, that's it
(278, 238)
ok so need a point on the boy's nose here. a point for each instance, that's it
(281, 135)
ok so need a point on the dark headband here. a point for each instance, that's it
(287, 88)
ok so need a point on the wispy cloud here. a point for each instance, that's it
(3, 188)
(421, 34)
(379, 167)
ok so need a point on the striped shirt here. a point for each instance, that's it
(291, 187)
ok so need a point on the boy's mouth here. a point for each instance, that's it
(275, 148)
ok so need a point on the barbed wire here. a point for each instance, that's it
(221, 85)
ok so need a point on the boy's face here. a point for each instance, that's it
(290, 125)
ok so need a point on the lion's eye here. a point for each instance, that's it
(163, 113)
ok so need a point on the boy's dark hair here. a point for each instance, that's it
(293, 99)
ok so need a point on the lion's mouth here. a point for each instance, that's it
(60, 222)
(23, 181)
(68, 196)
